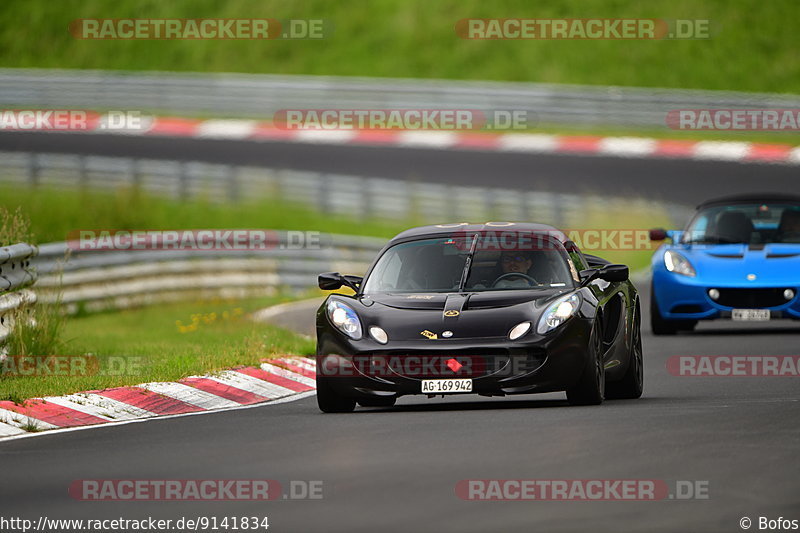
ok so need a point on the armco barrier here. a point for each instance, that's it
(261, 96)
(104, 279)
(16, 273)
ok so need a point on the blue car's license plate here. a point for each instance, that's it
(750, 315)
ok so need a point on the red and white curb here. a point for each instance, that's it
(631, 147)
(281, 379)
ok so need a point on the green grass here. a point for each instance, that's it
(753, 45)
(54, 213)
(160, 343)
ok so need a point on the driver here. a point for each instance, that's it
(515, 263)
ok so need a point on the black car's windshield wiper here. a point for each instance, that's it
(468, 264)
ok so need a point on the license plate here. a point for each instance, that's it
(444, 386)
(750, 315)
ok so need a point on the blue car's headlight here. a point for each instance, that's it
(558, 312)
(345, 319)
(677, 263)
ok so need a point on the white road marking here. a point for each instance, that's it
(100, 406)
(721, 150)
(528, 142)
(190, 395)
(8, 429)
(250, 384)
(325, 136)
(15, 419)
(282, 372)
(226, 129)
(433, 139)
(627, 146)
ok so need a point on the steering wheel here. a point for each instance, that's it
(512, 275)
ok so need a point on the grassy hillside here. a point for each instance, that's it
(753, 48)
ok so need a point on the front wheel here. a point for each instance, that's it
(591, 388)
(329, 401)
(632, 383)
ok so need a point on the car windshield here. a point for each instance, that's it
(745, 223)
(439, 265)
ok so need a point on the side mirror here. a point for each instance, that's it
(658, 234)
(330, 281)
(610, 273)
(615, 273)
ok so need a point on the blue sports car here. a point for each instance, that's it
(739, 258)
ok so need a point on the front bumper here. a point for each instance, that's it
(497, 367)
(683, 298)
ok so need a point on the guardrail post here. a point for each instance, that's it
(366, 198)
(83, 173)
(324, 189)
(33, 169)
(183, 180)
(233, 183)
(133, 173)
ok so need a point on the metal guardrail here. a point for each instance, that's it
(16, 273)
(260, 96)
(101, 279)
(335, 194)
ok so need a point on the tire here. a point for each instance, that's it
(329, 401)
(377, 401)
(632, 383)
(590, 389)
(658, 324)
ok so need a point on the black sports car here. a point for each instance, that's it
(491, 309)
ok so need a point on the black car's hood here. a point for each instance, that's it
(456, 316)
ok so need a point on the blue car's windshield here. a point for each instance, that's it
(745, 224)
(441, 264)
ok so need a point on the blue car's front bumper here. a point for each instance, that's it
(680, 297)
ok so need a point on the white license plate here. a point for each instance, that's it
(444, 386)
(750, 315)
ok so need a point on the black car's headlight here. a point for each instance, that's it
(558, 312)
(345, 319)
(677, 263)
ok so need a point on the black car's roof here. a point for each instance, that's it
(752, 198)
(464, 227)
